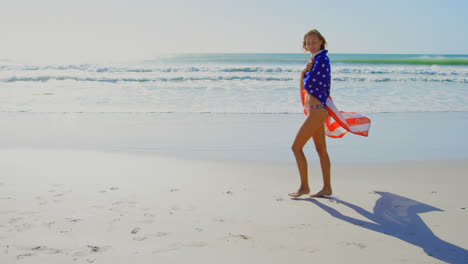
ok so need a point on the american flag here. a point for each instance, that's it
(338, 123)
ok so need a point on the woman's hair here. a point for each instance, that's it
(319, 36)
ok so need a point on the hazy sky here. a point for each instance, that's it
(89, 29)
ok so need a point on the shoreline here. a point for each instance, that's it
(393, 137)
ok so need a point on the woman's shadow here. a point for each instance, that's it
(397, 216)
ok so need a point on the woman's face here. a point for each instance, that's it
(313, 43)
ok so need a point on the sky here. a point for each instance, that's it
(117, 29)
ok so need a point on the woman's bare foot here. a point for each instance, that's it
(324, 192)
(300, 192)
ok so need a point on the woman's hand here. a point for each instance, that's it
(308, 67)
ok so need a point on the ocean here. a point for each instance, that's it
(235, 83)
(235, 106)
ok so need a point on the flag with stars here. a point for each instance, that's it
(337, 123)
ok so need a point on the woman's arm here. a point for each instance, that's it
(302, 90)
(306, 69)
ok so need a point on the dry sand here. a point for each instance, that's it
(64, 206)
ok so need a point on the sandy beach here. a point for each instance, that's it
(161, 132)
(81, 202)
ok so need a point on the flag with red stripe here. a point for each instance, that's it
(338, 123)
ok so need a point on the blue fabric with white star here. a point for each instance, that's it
(317, 81)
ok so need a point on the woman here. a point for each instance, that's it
(315, 79)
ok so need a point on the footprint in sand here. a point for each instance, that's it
(46, 250)
(110, 189)
(177, 246)
(359, 245)
(73, 220)
(219, 220)
(300, 226)
(37, 250)
(308, 250)
(279, 198)
(232, 237)
(138, 238)
(29, 213)
(135, 230)
(42, 200)
(122, 207)
(174, 209)
(7, 247)
(148, 218)
(159, 234)
(126, 203)
(14, 220)
(17, 224)
(59, 193)
(49, 224)
(89, 250)
(22, 256)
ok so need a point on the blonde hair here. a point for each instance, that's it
(319, 36)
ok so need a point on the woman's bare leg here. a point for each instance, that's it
(312, 123)
(321, 147)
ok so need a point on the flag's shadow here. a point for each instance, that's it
(397, 216)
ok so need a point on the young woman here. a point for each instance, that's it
(315, 79)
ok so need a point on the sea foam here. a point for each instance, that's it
(220, 83)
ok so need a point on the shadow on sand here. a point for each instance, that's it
(397, 216)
